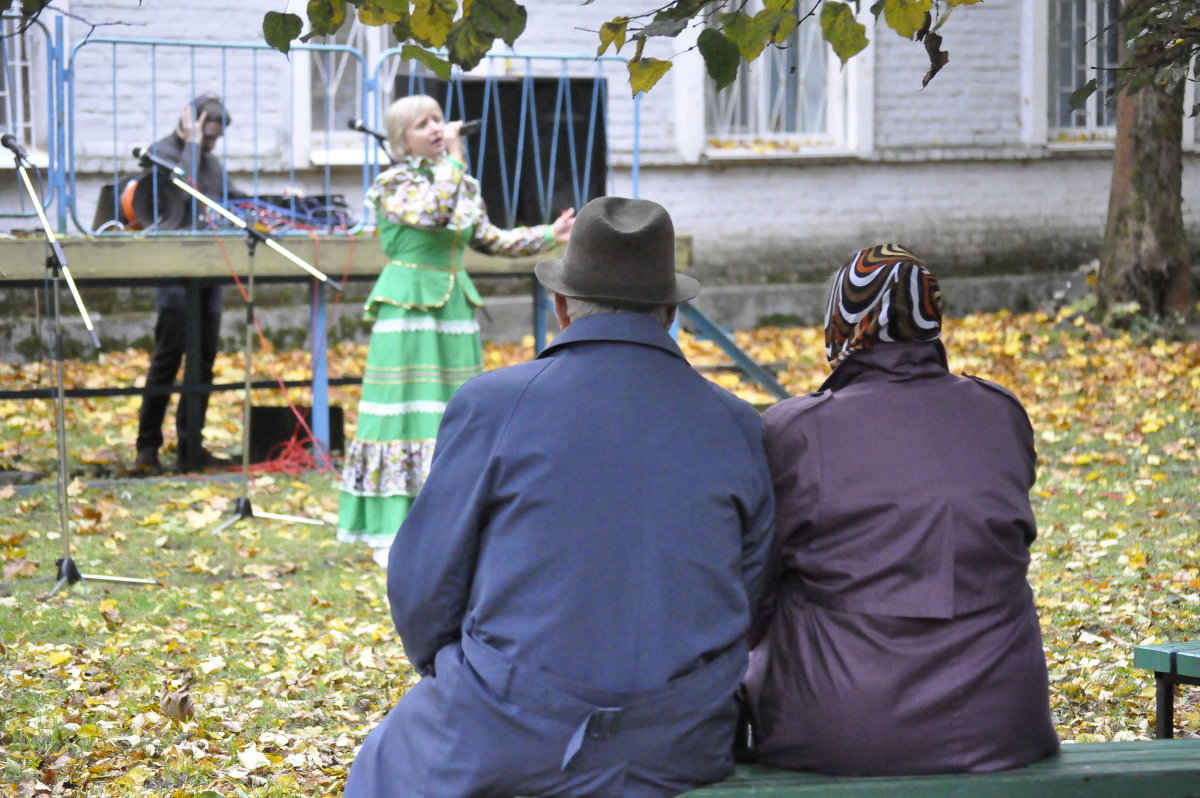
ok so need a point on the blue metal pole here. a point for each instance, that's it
(540, 301)
(743, 361)
(57, 177)
(637, 140)
(320, 372)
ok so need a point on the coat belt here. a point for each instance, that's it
(598, 714)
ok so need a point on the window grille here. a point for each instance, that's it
(779, 100)
(337, 82)
(1083, 46)
(23, 82)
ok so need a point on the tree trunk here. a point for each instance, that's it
(1145, 258)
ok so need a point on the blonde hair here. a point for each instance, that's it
(400, 116)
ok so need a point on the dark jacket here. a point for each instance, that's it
(576, 577)
(899, 634)
(206, 173)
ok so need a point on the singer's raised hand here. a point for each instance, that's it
(191, 129)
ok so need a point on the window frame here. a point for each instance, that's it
(344, 147)
(34, 132)
(1035, 54)
(849, 110)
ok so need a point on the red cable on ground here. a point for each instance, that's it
(292, 457)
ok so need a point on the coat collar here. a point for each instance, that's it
(632, 328)
(896, 362)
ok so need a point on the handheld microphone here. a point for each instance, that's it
(471, 127)
(10, 141)
(147, 158)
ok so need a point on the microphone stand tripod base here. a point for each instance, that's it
(68, 574)
(243, 509)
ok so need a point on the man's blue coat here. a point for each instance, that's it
(575, 579)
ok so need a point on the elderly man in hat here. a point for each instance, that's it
(575, 579)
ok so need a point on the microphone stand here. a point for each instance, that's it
(67, 572)
(380, 139)
(244, 508)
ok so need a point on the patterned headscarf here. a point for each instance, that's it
(883, 294)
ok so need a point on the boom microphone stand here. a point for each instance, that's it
(361, 127)
(243, 508)
(68, 573)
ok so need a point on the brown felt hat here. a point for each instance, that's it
(621, 253)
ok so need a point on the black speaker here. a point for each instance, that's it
(271, 426)
(530, 172)
(137, 204)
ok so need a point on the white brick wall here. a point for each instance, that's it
(973, 101)
(793, 222)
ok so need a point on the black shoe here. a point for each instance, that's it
(147, 461)
(207, 461)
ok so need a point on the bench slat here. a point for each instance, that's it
(1187, 663)
(1157, 657)
(1159, 768)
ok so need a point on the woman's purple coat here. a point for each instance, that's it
(899, 633)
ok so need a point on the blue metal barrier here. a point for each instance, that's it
(264, 139)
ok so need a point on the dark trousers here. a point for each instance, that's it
(170, 338)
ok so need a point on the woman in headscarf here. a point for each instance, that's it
(898, 634)
(425, 340)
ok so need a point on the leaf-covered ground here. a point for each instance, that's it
(265, 654)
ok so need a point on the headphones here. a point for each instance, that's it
(206, 99)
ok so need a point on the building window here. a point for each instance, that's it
(789, 98)
(23, 89)
(336, 77)
(1083, 45)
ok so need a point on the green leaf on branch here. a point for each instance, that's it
(747, 33)
(467, 43)
(31, 8)
(436, 65)
(645, 72)
(846, 35)
(326, 16)
(672, 19)
(1080, 95)
(663, 27)
(937, 56)
(501, 19)
(383, 12)
(787, 26)
(721, 56)
(877, 8)
(613, 33)
(431, 21)
(279, 30)
(684, 10)
(906, 17)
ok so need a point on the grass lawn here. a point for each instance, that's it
(266, 653)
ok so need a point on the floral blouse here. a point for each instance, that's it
(425, 193)
(426, 211)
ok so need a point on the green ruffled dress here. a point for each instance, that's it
(424, 345)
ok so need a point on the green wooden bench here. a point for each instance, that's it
(1173, 664)
(1142, 769)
